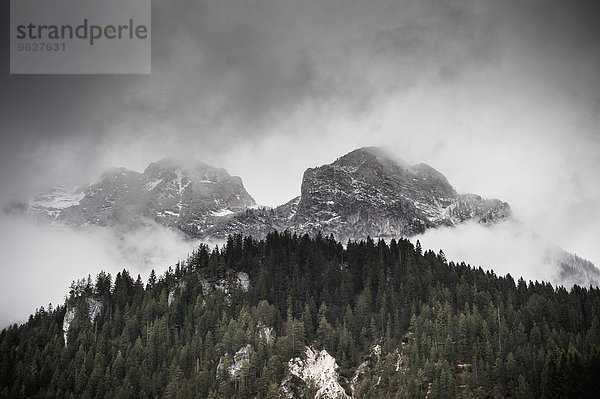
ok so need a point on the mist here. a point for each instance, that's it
(39, 261)
(504, 248)
(501, 97)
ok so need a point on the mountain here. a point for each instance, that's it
(305, 317)
(365, 193)
(189, 199)
(572, 270)
(368, 193)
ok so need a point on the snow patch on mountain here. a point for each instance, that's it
(169, 213)
(222, 212)
(152, 184)
(51, 203)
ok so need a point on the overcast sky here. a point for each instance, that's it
(503, 97)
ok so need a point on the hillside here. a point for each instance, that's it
(295, 316)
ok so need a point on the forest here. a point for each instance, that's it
(442, 329)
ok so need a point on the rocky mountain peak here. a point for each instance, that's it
(377, 165)
(370, 159)
(186, 196)
(196, 172)
(370, 192)
(367, 192)
(380, 154)
(115, 174)
(162, 167)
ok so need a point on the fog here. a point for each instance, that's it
(40, 261)
(505, 248)
(502, 97)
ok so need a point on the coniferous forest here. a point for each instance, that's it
(441, 329)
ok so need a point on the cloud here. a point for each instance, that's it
(39, 261)
(227, 75)
(505, 248)
(501, 97)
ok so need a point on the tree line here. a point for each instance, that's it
(445, 329)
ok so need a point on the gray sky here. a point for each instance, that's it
(503, 97)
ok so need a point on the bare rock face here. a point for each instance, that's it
(51, 203)
(368, 192)
(93, 307)
(365, 193)
(320, 368)
(190, 199)
(236, 363)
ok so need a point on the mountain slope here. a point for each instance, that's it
(364, 193)
(294, 316)
(368, 192)
(189, 199)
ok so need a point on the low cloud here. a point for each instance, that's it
(39, 261)
(501, 97)
(505, 248)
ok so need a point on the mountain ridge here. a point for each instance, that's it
(367, 192)
(164, 193)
